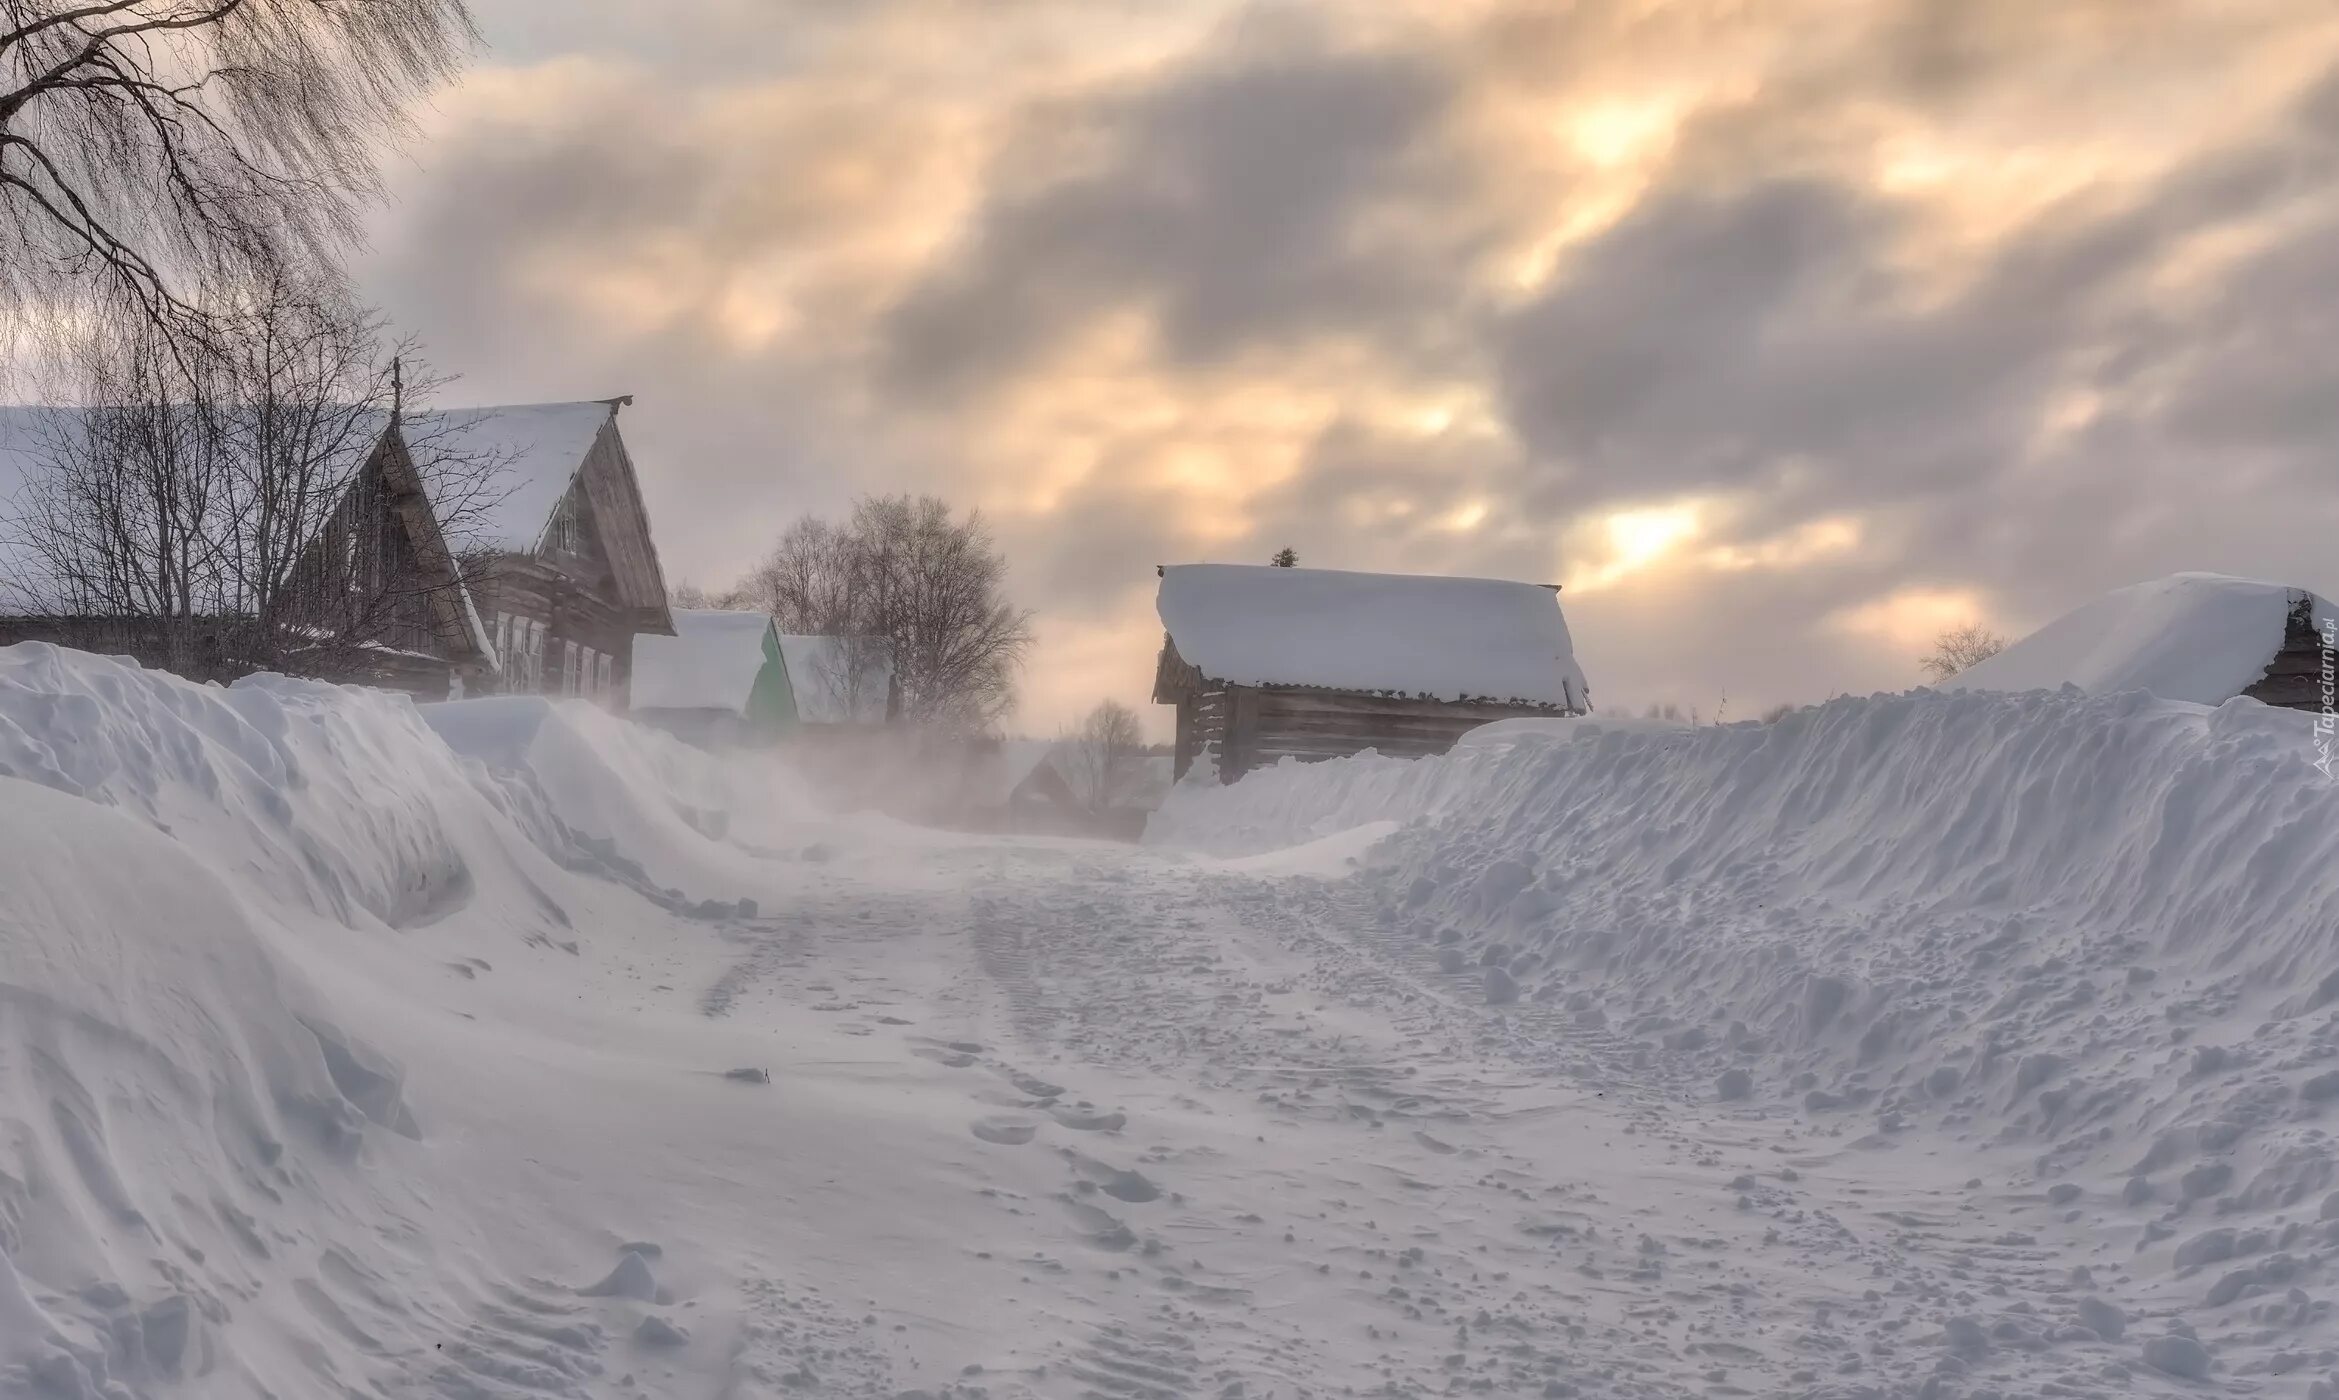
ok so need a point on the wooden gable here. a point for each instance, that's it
(621, 524)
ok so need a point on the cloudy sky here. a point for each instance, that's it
(1783, 334)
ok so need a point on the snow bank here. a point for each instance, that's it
(179, 1107)
(335, 799)
(2103, 927)
(208, 1183)
(2199, 637)
(624, 800)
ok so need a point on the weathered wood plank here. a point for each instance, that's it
(1285, 701)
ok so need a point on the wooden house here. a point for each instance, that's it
(561, 566)
(1267, 663)
(378, 597)
(527, 567)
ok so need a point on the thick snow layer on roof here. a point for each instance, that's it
(537, 449)
(2198, 637)
(838, 680)
(1451, 638)
(710, 663)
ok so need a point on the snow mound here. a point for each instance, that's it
(2199, 637)
(2105, 929)
(172, 1096)
(336, 799)
(210, 1182)
(598, 791)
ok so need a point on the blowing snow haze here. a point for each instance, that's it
(1784, 336)
(1092, 700)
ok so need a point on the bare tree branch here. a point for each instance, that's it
(150, 146)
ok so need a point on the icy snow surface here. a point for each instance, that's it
(2199, 637)
(1946, 1045)
(1451, 638)
(710, 663)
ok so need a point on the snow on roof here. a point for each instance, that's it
(822, 673)
(2203, 638)
(1450, 638)
(710, 663)
(537, 449)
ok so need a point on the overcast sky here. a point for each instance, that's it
(1782, 334)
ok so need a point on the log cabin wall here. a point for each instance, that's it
(2294, 679)
(1249, 727)
(535, 612)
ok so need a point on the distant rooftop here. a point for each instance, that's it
(1402, 634)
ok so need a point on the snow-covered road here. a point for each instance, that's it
(1187, 1129)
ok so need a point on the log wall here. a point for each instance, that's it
(1251, 727)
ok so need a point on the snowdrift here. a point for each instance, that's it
(2102, 928)
(2198, 637)
(185, 1123)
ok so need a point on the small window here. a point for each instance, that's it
(607, 678)
(503, 638)
(568, 668)
(586, 674)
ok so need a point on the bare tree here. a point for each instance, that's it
(238, 502)
(1103, 758)
(691, 595)
(1958, 648)
(919, 590)
(149, 146)
(120, 523)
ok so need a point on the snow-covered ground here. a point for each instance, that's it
(1941, 1045)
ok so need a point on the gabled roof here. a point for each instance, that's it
(2203, 638)
(710, 663)
(1385, 634)
(839, 680)
(539, 448)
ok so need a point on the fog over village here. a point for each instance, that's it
(1258, 699)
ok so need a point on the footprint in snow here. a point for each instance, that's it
(1085, 1120)
(1113, 1181)
(1007, 1132)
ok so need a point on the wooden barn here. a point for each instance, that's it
(1267, 663)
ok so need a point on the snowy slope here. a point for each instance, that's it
(1451, 638)
(2198, 637)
